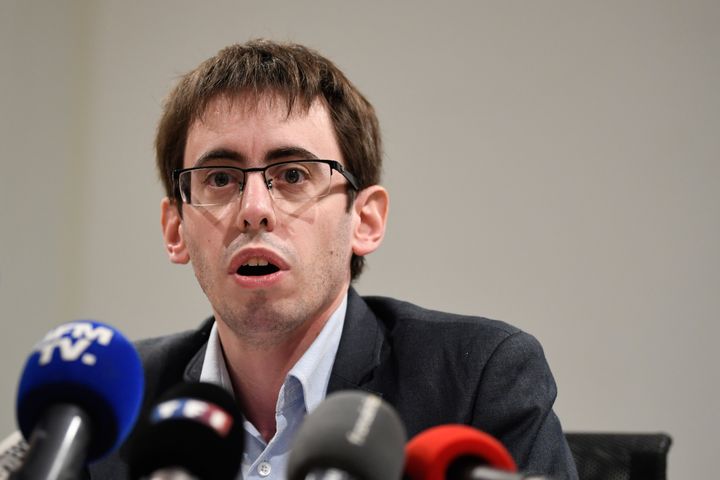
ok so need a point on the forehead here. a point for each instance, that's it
(250, 126)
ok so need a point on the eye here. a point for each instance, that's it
(287, 174)
(220, 178)
(293, 175)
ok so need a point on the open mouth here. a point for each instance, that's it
(256, 267)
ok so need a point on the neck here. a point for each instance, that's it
(259, 369)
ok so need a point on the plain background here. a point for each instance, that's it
(555, 164)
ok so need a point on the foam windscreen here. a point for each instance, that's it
(354, 432)
(431, 453)
(194, 426)
(90, 365)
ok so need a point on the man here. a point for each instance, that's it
(270, 160)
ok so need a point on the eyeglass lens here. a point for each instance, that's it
(291, 182)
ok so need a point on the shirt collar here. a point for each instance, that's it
(214, 369)
(314, 367)
(312, 370)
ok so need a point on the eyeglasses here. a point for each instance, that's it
(293, 182)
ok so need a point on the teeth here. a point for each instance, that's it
(256, 262)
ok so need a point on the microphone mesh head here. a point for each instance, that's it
(353, 432)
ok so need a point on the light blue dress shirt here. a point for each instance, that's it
(304, 388)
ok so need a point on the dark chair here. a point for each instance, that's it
(620, 456)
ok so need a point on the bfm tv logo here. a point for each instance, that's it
(196, 410)
(71, 341)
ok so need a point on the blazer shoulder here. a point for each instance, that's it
(398, 315)
(165, 359)
(169, 347)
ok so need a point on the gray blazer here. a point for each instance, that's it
(435, 368)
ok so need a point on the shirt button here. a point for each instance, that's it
(264, 469)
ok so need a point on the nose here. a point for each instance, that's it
(256, 205)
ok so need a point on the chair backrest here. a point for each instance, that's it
(620, 456)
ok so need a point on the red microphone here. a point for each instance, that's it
(452, 452)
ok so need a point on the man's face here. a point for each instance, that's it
(310, 244)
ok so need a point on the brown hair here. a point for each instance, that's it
(295, 73)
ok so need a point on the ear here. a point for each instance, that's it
(172, 226)
(371, 210)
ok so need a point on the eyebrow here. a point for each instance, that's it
(280, 153)
(285, 152)
(219, 154)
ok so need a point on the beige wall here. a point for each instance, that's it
(553, 164)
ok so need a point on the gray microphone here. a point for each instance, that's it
(352, 435)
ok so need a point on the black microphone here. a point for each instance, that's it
(351, 435)
(459, 452)
(78, 398)
(194, 431)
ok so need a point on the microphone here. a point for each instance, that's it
(457, 452)
(194, 431)
(79, 395)
(350, 435)
(12, 454)
(487, 473)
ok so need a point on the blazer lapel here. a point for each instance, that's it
(361, 351)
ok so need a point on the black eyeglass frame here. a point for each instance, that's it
(334, 165)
